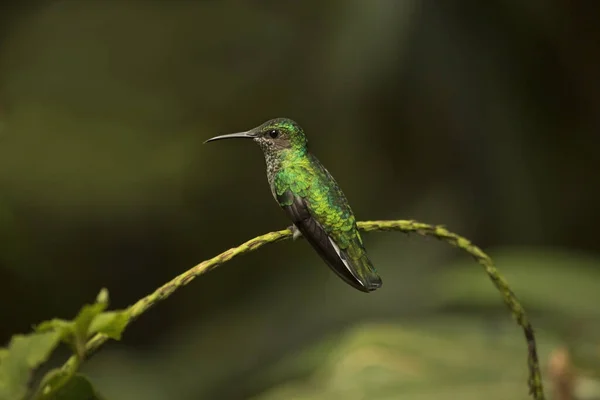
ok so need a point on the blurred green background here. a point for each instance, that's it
(482, 116)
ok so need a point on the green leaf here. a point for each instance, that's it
(110, 323)
(23, 355)
(76, 332)
(88, 312)
(78, 387)
(65, 328)
(102, 296)
(27, 352)
(90, 320)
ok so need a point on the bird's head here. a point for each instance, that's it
(273, 136)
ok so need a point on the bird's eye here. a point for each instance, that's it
(273, 133)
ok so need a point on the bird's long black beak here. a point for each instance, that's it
(239, 135)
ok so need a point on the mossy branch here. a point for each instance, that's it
(439, 232)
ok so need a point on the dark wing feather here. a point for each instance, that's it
(298, 211)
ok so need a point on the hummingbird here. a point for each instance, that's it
(312, 200)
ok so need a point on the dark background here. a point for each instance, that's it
(482, 116)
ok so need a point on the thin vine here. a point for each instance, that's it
(439, 232)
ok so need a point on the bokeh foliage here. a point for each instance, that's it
(478, 115)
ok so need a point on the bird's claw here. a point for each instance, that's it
(295, 232)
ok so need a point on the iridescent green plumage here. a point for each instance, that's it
(312, 199)
(304, 176)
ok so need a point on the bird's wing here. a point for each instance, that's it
(350, 262)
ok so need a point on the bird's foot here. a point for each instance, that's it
(295, 232)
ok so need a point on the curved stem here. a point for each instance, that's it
(518, 312)
(510, 299)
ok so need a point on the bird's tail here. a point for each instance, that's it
(362, 268)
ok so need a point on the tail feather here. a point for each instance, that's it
(359, 265)
(367, 273)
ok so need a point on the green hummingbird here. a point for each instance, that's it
(313, 201)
